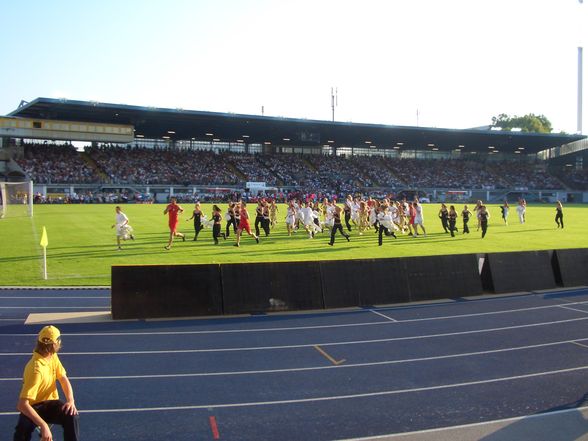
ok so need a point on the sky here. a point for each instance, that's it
(432, 63)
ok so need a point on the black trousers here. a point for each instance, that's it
(337, 227)
(197, 229)
(265, 224)
(452, 227)
(51, 413)
(484, 225)
(444, 223)
(258, 221)
(232, 222)
(465, 226)
(559, 219)
(216, 232)
(347, 219)
(383, 230)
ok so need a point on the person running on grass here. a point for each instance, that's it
(38, 402)
(123, 230)
(197, 216)
(244, 224)
(173, 210)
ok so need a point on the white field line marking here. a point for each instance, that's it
(330, 398)
(310, 345)
(471, 425)
(316, 368)
(295, 328)
(383, 315)
(573, 309)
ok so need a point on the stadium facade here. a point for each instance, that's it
(177, 130)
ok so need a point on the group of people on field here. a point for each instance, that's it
(384, 217)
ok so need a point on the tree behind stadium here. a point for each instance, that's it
(527, 123)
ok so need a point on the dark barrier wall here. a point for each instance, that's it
(442, 277)
(165, 291)
(571, 266)
(522, 271)
(363, 282)
(193, 290)
(261, 287)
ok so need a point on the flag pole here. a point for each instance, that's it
(45, 263)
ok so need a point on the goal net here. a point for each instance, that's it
(16, 199)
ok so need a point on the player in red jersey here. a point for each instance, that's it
(173, 210)
(244, 223)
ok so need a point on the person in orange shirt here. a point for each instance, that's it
(173, 210)
(38, 402)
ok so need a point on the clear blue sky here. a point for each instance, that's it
(459, 62)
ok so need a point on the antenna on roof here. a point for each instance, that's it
(22, 103)
(334, 101)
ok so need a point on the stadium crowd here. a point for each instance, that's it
(57, 164)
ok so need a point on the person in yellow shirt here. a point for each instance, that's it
(38, 402)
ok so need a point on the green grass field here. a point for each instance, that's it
(82, 245)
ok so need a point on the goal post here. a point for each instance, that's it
(16, 199)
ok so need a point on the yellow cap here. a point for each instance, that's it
(49, 334)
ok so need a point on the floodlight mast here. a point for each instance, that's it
(580, 66)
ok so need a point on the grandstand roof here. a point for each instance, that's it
(180, 124)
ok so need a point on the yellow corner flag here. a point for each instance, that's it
(44, 240)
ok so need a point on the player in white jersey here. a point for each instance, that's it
(290, 218)
(123, 230)
(307, 217)
(419, 219)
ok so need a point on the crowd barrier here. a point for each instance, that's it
(160, 291)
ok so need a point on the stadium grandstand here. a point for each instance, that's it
(81, 151)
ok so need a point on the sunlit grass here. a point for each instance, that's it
(82, 245)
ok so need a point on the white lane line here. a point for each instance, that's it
(573, 309)
(294, 328)
(310, 345)
(331, 398)
(471, 425)
(317, 368)
(383, 315)
(579, 344)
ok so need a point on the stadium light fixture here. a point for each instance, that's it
(139, 136)
(521, 148)
(216, 139)
(209, 134)
(490, 146)
(245, 136)
(399, 143)
(165, 137)
(171, 132)
(435, 148)
(330, 141)
(430, 145)
(267, 143)
(460, 146)
(517, 151)
(285, 139)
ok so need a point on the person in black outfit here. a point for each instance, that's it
(484, 216)
(231, 219)
(258, 217)
(337, 226)
(197, 216)
(559, 214)
(444, 215)
(265, 224)
(347, 210)
(452, 219)
(466, 217)
(216, 226)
